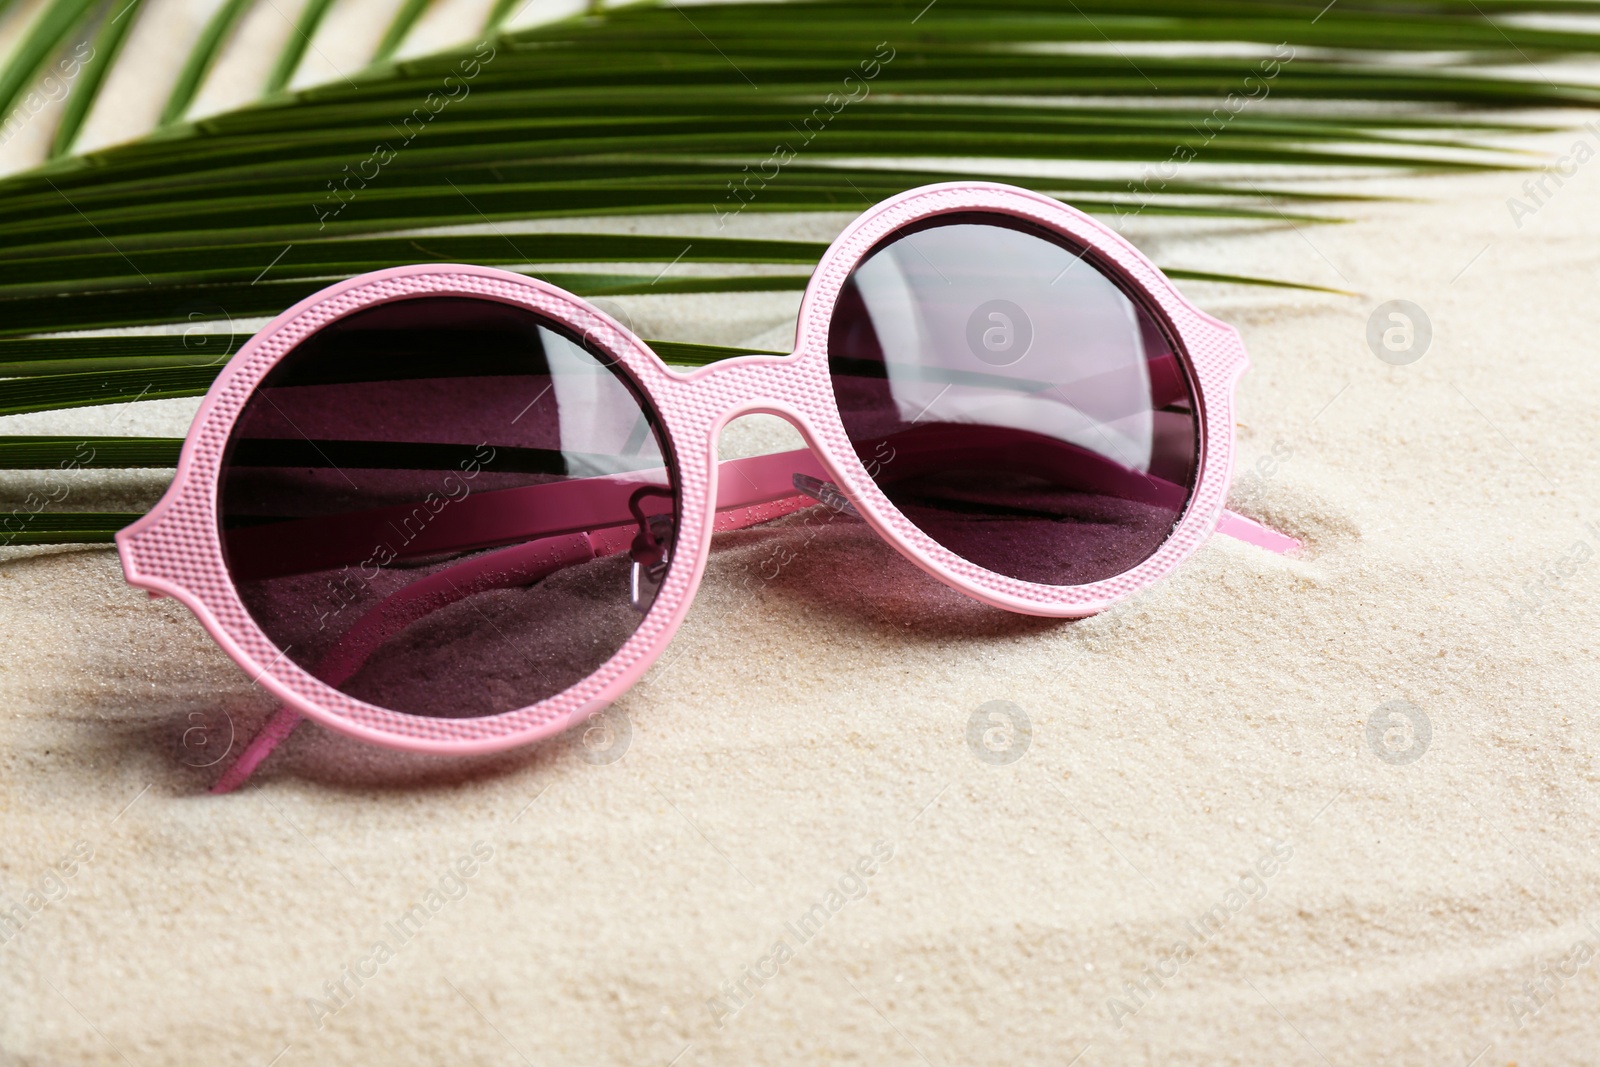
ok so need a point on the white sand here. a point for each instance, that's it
(1173, 740)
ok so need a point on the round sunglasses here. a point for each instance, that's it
(455, 509)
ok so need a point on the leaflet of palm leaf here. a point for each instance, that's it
(712, 111)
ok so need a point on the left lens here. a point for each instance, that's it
(447, 506)
(1012, 400)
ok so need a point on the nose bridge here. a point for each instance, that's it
(721, 392)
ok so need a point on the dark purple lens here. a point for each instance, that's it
(447, 506)
(1013, 400)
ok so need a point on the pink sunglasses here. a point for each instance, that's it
(454, 509)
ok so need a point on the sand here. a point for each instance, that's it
(1328, 810)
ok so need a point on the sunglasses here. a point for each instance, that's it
(454, 509)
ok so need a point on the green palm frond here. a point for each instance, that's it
(64, 528)
(108, 43)
(502, 10)
(118, 453)
(49, 375)
(201, 57)
(166, 282)
(54, 26)
(712, 111)
(294, 50)
(404, 19)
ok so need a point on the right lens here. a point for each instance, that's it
(442, 506)
(1012, 400)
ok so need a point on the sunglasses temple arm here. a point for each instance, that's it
(519, 565)
(745, 498)
(488, 519)
(271, 735)
(1251, 532)
(765, 485)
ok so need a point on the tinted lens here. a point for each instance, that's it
(1013, 401)
(447, 507)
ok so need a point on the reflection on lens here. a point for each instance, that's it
(440, 506)
(1011, 400)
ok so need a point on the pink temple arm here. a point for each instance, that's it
(750, 500)
(489, 519)
(750, 491)
(1252, 532)
(506, 516)
(520, 565)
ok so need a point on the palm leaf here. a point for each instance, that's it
(294, 50)
(67, 355)
(23, 275)
(52, 391)
(60, 453)
(63, 527)
(403, 21)
(201, 57)
(107, 45)
(85, 372)
(53, 380)
(653, 110)
(501, 10)
(55, 24)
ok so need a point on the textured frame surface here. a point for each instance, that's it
(176, 550)
(1211, 351)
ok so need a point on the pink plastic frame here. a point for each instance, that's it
(176, 549)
